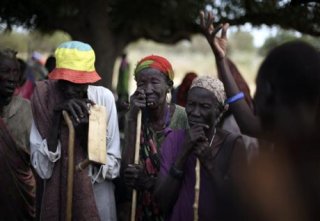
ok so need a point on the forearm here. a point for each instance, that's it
(41, 158)
(248, 123)
(168, 189)
(53, 136)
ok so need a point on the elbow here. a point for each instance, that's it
(160, 198)
(162, 206)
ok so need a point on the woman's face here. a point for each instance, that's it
(71, 90)
(202, 107)
(154, 85)
(9, 76)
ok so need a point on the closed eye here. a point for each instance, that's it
(206, 105)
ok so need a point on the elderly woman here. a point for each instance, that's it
(154, 76)
(220, 154)
(287, 102)
(17, 186)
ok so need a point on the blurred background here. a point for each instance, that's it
(169, 28)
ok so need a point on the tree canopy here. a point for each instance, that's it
(110, 25)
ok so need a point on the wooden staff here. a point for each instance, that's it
(136, 161)
(196, 192)
(70, 165)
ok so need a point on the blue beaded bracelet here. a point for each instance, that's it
(235, 98)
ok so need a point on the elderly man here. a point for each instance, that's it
(68, 89)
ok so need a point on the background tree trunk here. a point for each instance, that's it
(96, 31)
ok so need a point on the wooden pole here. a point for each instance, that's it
(136, 161)
(70, 166)
(196, 192)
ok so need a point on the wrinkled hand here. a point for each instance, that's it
(203, 151)
(78, 109)
(194, 135)
(136, 178)
(137, 102)
(218, 44)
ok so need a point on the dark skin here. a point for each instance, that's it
(202, 110)
(9, 78)
(152, 88)
(75, 103)
(247, 121)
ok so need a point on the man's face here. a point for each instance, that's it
(9, 76)
(71, 90)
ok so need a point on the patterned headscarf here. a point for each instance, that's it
(216, 87)
(157, 62)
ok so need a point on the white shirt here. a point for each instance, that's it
(43, 160)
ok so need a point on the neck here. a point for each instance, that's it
(157, 115)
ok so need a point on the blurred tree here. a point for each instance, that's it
(109, 25)
(240, 41)
(285, 36)
(34, 41)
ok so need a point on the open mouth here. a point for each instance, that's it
(150, 103)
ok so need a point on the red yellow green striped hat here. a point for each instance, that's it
(75, 63)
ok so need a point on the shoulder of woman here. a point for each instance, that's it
(180, 112)
(180, 118)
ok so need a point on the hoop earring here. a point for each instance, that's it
(167, 99)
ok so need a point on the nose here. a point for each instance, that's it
(195, 111)
(148, 89)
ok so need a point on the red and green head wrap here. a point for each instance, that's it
(157, 62)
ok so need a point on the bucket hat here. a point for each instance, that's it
(75, 63)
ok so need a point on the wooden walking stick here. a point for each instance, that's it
(196, 192)
(70, 165)
(136, 161)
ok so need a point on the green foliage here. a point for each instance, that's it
(286, 36)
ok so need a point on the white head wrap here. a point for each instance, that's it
(216, 87)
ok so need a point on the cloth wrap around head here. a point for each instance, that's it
(157, 62)
(216, 87)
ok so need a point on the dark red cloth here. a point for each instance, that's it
(184, 88)
(53, 205)
(17, 183)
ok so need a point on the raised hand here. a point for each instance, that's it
(218, 44)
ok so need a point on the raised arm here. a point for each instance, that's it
(249, 124)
